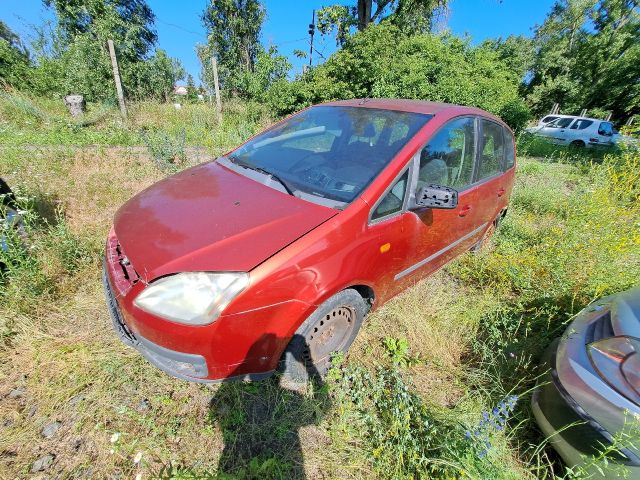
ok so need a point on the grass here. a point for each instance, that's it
(419, 377)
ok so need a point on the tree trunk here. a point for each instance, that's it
(364, 13)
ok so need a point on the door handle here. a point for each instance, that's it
(501, 192)
(464, 210)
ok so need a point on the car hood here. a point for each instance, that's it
(209, 218)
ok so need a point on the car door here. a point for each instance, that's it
(556, 131)
(491, 185)
(435, 236)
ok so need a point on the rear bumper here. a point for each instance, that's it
(570, 430)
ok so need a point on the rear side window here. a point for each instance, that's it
(581, 124)
(448, 157)
(509, 149)
(491, 149)
(393, 200)
(605, 128)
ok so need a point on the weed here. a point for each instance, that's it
(167, 151)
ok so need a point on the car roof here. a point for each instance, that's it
(415, 106)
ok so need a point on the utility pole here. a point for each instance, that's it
(116, 78)
(312, 29)
(216, 85)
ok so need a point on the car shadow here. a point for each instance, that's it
(261, 422)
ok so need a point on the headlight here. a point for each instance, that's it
(194, 298)
(617, 360)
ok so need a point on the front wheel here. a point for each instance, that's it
(331, 328)
(577, 144)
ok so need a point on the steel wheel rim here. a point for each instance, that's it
(331, 333)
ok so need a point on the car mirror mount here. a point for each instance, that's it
(436, 196)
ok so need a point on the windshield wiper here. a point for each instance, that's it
(263, 171)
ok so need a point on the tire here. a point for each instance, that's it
(577, 144)
(331, 328)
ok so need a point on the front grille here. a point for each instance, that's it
(599, 329)
(123, 273)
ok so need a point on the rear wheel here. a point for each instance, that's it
(577, 144)
(331, 328)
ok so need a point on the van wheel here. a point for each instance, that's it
(331, 328)
(577, 144)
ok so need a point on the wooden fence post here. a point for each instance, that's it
(216, 85)
(116, 78)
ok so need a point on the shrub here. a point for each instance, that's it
(381, 61)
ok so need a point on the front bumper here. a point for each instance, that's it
(185, 366)
(570, 430)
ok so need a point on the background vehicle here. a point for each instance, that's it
(592, 391)
(10, 219)
(550, 118)
(301, 231)
(577, 131)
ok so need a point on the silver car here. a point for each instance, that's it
(577, 132)
(592, 391)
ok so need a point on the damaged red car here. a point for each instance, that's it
(272, 255)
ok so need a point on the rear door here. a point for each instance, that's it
(492, 185)
(435, 236)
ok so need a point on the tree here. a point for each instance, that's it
(233, 28)
(14, 58)
(75, 57)
(588, 56)
(411, 16)
(382, 61)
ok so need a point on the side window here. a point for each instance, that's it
(448, 157)
(605, 129)
(509, 149)
(581, 124)
(491, 148)
(392, 201)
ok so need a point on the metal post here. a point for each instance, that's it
(312, 28)
(116, 78)
(216, 86)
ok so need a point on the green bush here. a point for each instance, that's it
(381, 61)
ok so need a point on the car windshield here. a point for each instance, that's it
(330, 152)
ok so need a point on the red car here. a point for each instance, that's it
(301, 231)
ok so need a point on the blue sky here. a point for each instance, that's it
(180, 28)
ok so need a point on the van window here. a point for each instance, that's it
(392, 201)
(491, 149)
(605, 129)
(581, 124)
(448, 157)
(561, 123)
(509, 149)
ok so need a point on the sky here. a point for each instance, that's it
(179, 26)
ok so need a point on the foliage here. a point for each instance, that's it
(167, 152)
(270, 67)
(411, 16)
(14, 58)
(383, 62)
(233, 28)
(588, 56)
(73, 57)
